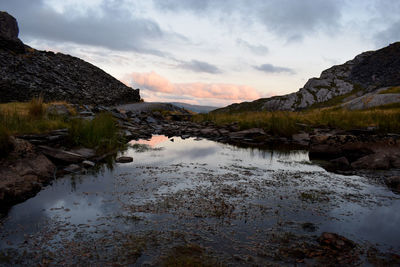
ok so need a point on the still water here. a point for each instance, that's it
(229, 200)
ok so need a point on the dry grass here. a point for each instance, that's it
(32, 118)
(391, 90)
(386, 119)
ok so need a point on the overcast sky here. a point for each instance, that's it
(210, 52)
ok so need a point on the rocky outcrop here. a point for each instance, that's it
(367, 73)
(9, 34)
(23, 173)
(361, 151)
(26, 73)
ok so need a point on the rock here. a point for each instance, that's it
(72, 168)
(84, 152)
(393, 182)
(88, 164)
(376, 161)
(58, 109)
(124, 159)
(8, 26)
(151, 120)
(301, 139)
(61, 155)
(250, 133)
(23, 173)
(336, 242)
(341, 162)
(324, 151)
(9, 34)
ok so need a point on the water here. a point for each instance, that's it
(228, 200)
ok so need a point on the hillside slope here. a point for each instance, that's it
(26, 72)
(362, 78)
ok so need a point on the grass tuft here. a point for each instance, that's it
(36, 108)
(100, 133)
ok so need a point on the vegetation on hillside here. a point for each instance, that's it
(391, 90)
(285, 123)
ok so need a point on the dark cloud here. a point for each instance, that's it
(110, 26)
(269, 68)
(293, 19)
(289, 19)
(390, 35)
(200, 66)
(256, 49)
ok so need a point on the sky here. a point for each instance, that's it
(209, 52)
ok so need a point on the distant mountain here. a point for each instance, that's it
(26, 72)
(194, 108)
(370, 79)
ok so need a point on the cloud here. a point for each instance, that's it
(389, 35)
(109, 26)
(289, 19)
(200, 66)
(294, 19)
(256, 49)
(269, 68)
(156, 83)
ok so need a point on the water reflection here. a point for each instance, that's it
(195, 181)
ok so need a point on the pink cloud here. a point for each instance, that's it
(156, 83)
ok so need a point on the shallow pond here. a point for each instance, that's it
(235, 204)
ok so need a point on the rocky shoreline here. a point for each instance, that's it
(38, 159)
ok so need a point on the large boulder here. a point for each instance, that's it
(8, 26)
(9, 34)
(23, 173)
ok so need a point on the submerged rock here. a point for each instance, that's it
(124, 159)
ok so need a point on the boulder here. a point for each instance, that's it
(61, 155)
(376, 161)
(72, 168)
(86, 153)
(9, 34)
(341, 163)
(8, 26)
(124, 159)
(88, 164)
(23, 173)
(336, 242)
(393, 182)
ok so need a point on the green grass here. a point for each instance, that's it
(391, 90)
(100, 133)
(386, 119)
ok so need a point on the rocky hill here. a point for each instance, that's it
(366, 81)
(26, 72)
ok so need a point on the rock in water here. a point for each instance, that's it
(124, 159)
(26, 73)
